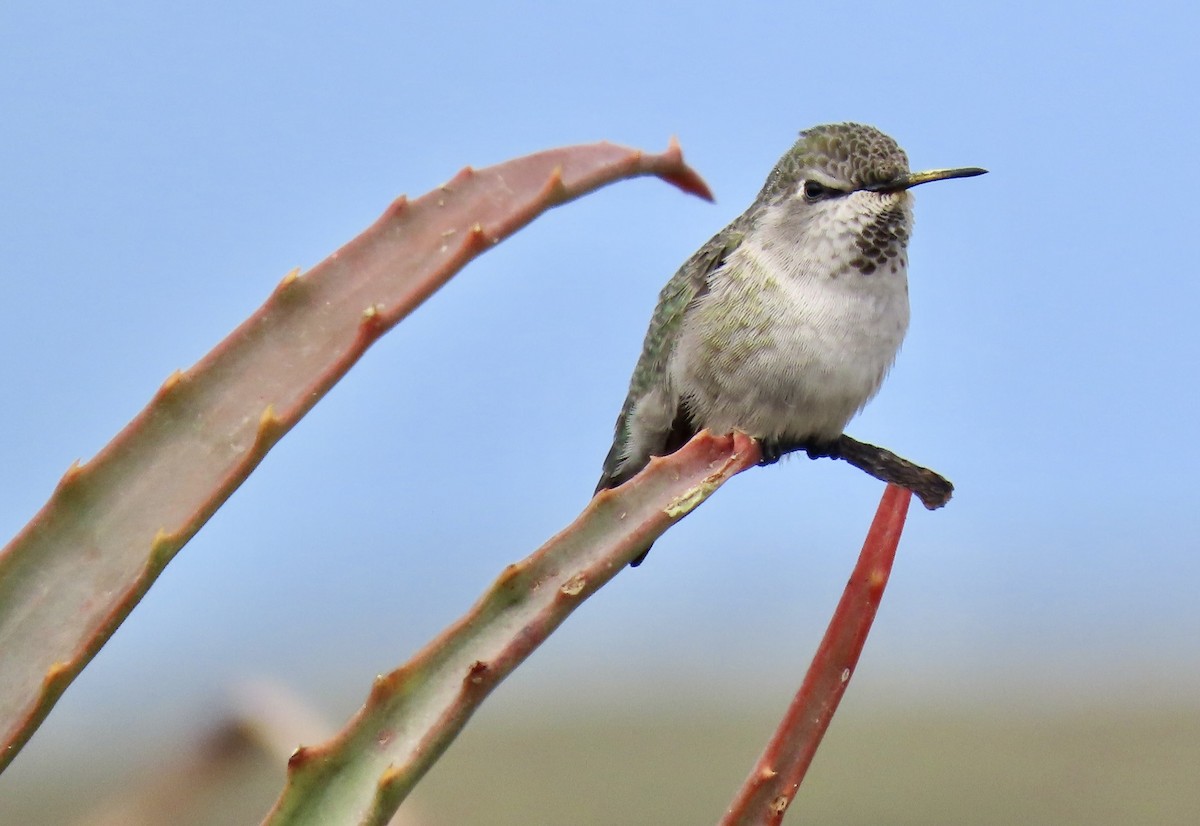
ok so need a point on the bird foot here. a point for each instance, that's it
(773, 450)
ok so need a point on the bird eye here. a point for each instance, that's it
(814, 191)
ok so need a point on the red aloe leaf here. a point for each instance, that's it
(773, 783)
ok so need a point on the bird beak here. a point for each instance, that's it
(916, 178)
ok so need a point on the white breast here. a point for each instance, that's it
(791, 341)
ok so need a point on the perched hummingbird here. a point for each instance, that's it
(784, 324)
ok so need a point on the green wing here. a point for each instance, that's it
(688, 285)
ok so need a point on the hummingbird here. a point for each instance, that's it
(785, 323)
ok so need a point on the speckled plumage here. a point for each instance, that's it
(785, 323)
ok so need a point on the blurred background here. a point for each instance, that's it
(1037, 656)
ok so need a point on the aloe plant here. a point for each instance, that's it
(77, 569)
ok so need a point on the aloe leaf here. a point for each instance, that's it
(73, 574)
(411, 716)
(772, 784)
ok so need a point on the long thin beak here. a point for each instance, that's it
(916, 178)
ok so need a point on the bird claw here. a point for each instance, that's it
(823, 450)
(772, 451)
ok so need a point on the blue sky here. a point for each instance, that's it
(164, 167)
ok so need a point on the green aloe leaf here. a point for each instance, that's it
(73, 574)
